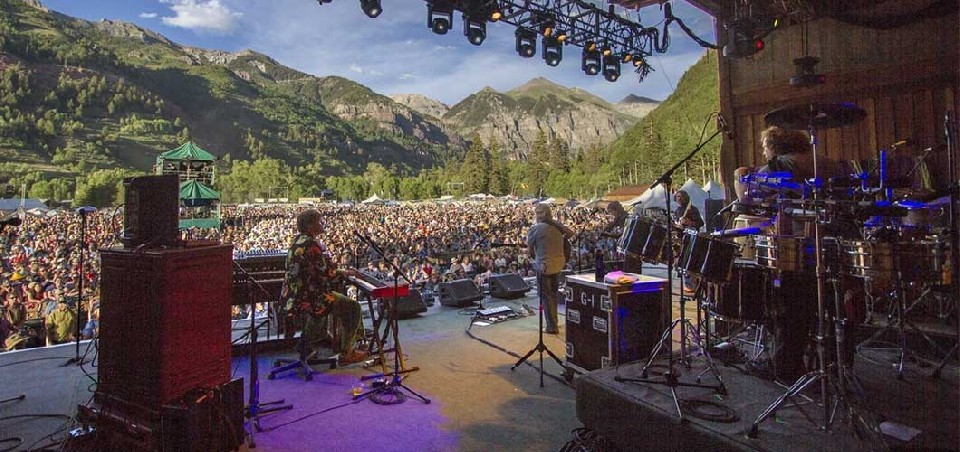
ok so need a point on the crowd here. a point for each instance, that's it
(432, 243)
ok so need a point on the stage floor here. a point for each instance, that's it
(643, 416)
(478, 403)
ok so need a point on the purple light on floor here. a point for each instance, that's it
(363, 425)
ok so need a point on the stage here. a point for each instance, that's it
(644, 417)
(478, 403)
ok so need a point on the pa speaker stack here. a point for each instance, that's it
(508, 286)
(151, 211)
(459, 293)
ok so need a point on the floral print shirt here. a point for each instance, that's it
(308, 284)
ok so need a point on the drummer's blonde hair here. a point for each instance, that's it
(783, 141)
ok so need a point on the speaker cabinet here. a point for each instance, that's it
(165, 322)
(411, 305)
(151, 211)
(508, 286)
(459, 293)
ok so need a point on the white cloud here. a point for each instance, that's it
(442, 48)
(201, 14)
(354, 67)
(148, 15)
(408, 76)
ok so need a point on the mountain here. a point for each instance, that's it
(670, 132)
(634, 105)
(423, 104)
(516, 117)
(77, 95)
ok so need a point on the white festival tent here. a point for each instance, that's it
(375, 200)
(698, 197)
(651, 199)
(714, 190)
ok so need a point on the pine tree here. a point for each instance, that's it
(475, 171)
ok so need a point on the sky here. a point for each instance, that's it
(395, 53)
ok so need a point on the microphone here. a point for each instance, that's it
(723, 127)
(726, 208)
(85, 210)
(12, 221)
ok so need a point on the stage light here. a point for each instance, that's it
(590, 46)
(561, 35)
(638, 61)
(371, 8)
(496, 15)
(526, 42)
(611, 68)
(475, 31)
(552, 51)
(439, 17)
(606, 51)
(590, 62)
(548, 27)
(626, 58)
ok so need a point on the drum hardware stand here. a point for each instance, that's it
(950, 133)
(819, 375)
(671, 378)
(394, 386)
(898, 319)
(254, 413)
(540, 347)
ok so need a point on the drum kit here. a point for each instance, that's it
(896, 252)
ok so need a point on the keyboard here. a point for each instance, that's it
(376, 288)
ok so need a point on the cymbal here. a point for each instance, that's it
(825, 115)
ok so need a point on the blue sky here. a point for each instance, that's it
(394, 53)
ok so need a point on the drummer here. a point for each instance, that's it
(790, 151)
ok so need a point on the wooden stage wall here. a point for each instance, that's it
(905, 78)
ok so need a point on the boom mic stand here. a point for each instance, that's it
(671, 377)
(254, 413)
(395, 384)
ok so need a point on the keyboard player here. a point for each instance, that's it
(309, 293)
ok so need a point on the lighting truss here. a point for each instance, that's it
(581, 23)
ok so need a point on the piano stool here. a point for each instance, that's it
(306, 358)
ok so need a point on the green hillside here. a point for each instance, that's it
(670, 132)
(78, 95)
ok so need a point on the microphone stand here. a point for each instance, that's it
(671, 377)
(254, 413)
(395, 384)
(950, 131)
(77, 359)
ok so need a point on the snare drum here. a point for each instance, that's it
(869, 260)
(705, 256)
(748, 246)
(784, 253)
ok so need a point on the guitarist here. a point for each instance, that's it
(545, 243)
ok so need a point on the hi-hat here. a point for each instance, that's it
(818, 115)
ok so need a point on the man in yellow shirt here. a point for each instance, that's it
(61, 324)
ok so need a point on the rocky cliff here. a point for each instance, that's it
(515, 118)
